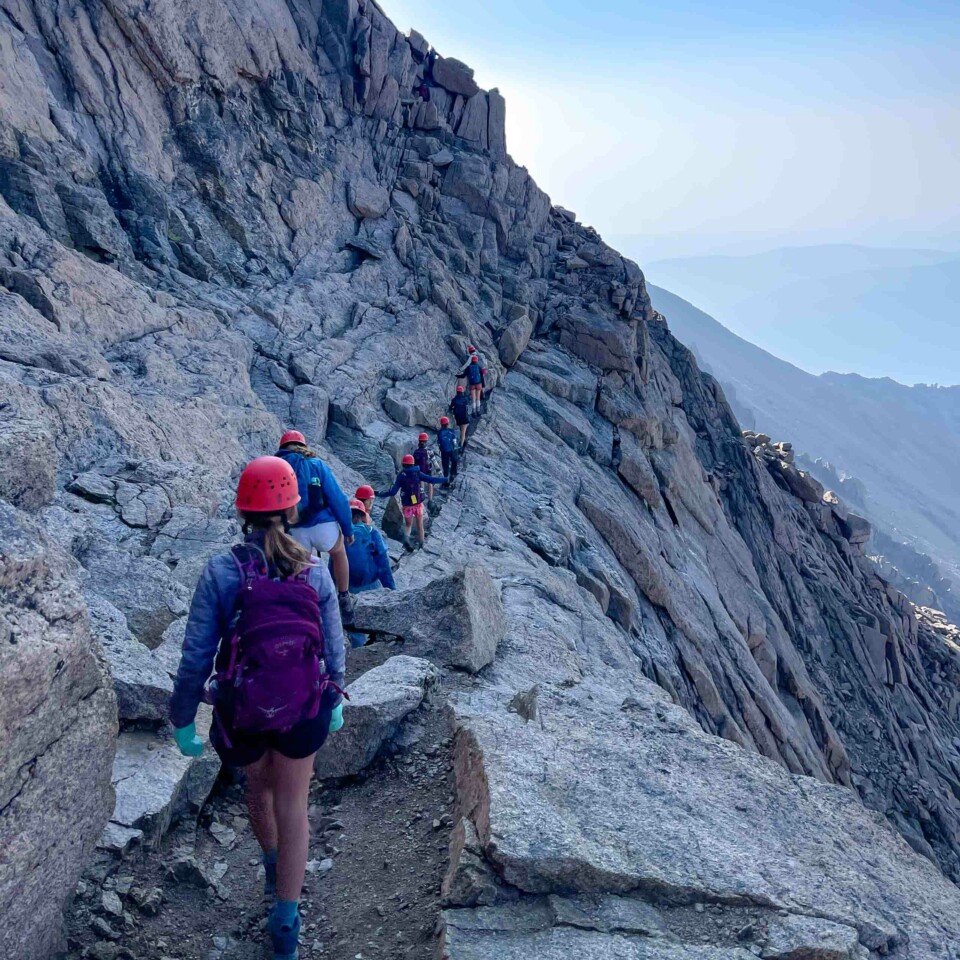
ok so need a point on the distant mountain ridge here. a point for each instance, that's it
(902, 442)
(878, 312)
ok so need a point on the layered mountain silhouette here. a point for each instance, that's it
(902, 443)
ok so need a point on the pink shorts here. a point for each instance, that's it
(415, 511)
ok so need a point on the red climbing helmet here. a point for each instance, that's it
(471, 349)
(423, 438)
(358, 505)
(267, 485)
(444, 421)
(364, 492)
(460, 388)
(474, 359)
(292, 436)
(408, 460)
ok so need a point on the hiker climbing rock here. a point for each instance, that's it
(616, 454)
(323, 523)
(369, 561)
(409, 485)
(460, 408)
(475, 379)
(365, 495)
(274, 703)
(427, 464)
(449, 449)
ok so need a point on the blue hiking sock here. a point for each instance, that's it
(283, 925)
(270, 872)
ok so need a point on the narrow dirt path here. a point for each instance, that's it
(378, 852)
(372, 892)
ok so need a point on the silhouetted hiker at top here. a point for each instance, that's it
(616, 455)
(409, 485)
(264, 616)
(324, 524)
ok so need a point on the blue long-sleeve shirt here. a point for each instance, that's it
(369, 560)
(212, 614)
(314, 473)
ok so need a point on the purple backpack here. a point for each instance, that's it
(270, 676)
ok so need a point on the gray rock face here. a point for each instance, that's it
(156, 785)
(456, 620)
(379, 701)
(57, 729)
(295, 223)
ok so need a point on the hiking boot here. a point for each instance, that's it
(407, 544)
(284, 937)
(347, 604)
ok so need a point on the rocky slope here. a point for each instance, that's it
(223, 219)
(899, 442)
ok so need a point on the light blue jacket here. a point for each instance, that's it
(212, 615)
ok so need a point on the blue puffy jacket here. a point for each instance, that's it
(408, 484)
(321, 499)
(369, 560)
(448, 439)
(212, 615)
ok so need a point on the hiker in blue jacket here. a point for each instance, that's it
(474, 375)
(274, 703)
(369, 561)
(460, 408)
(449, 449)
(323, 524)
(409, 485)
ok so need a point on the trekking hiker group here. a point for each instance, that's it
(264, 641)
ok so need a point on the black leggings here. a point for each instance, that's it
(450, 460)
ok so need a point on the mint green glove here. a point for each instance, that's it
(187, 740)
(336, 718)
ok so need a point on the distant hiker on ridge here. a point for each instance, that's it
(459, 407)
(449, 449)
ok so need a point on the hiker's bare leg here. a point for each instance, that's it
(420, 534)
(341, 566)
(291, 792)
(263, 821)
(463, 435)
(407, 527)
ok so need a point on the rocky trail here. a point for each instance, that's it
(379, 851)
(688, 718)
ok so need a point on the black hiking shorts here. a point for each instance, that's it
(297, 743)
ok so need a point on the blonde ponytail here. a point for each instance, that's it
(283, 552)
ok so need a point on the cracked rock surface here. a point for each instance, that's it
(215, 228)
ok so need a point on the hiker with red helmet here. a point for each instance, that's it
(409, 485)
(424, 460)
(365, 495)
(449, 449)
(323, 524)
(459, 407)
(264, 616)
(474, 377)
(369, 561)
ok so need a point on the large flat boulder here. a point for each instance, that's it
(456, 620)
(58, 722)
(156, 785)
(379, 701)
(736, 828)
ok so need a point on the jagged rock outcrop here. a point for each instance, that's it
(379, 702)
(261, 221)
(57, 728)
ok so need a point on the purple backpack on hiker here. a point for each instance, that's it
(270, 676)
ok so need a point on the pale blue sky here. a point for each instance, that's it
(702, 127)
